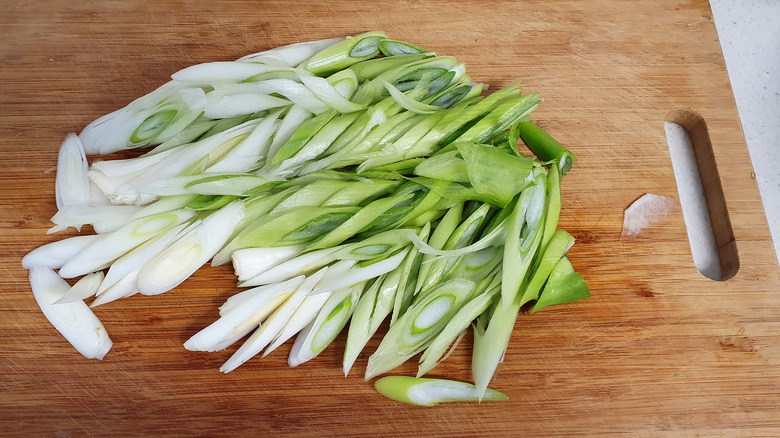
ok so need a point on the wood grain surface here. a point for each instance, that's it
(658, 350)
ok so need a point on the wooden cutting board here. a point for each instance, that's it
(658, 349)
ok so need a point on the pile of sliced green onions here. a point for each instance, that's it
(349, 181)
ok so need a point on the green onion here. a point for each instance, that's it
(393, 48)
(421, 323)
(333, 316)
(563, 286)
(431, 392)
(545, 147)
(74, 320)
(343, 54)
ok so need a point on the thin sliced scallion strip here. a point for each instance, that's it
(490, 344)
(255, 147)
(137, 257)
(421, 323)
(210, 202)
(83, 289)
(77, 216)
(430, 392)
(127, 286)
(292, 54)
(392, 48)
(374, 306)
(233, 325)
(268, 331)
(454, 327)
(343, 54)
(111, 246)
(304, 315)
(360, 273)
(331, 319)
(75, 321)
(182, 258)
(545, 146)
(563, 286)
(251, 262)
(358, 221)
(408, 102)
(54, 255)
(215, 72)
(372, 68)
(328, 94)
(440, 235)
(72, 185)
(300, 265)
(410, 270)
(559, 244)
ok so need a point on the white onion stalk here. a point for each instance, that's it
(291, 122)
(77, 216)
(299, 265)
(251, 262)
(305, 314)
(255, 306)
(72, 185)
(206, 150)
(328, 94)
(74, 320)
(134, 259)
(127, 286)
(243, 157)
(162, 205)
(235, 184)
(268, 331)
(54, 255)
(358, 274)
(222, 105)
(293, 91)
(101, 132)
(210, 73)
(431, 392)
(237, 300)
(119, 129)
(292, 54)
(181, 259)
(83, 289)
(118, 168)
(316, 336)
(111, 246)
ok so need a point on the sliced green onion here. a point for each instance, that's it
(431, 392)
(394, 48)
(233, 324)
(72, 185)
(456, 325)
(54, 255)
(111, 246)
(343, 54)
(268, 331)
(85, 288)
(183, 257)
(421, 323)
(331, 319)
(251, 262)
(563, 286)
(408, 102)
(75, 321)
(545, 147)
(292, 54)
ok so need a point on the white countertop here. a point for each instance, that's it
(749, 32)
